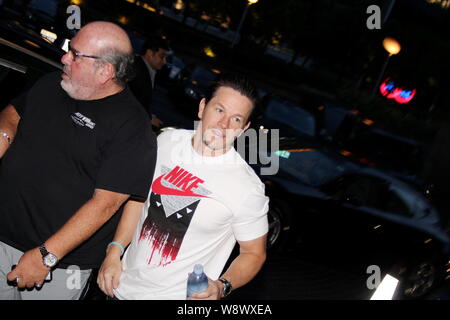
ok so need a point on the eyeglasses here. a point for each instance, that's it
(76, 54)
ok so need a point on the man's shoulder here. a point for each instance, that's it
(174, 135)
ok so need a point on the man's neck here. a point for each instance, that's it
(109, 90)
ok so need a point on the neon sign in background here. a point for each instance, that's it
(399, 94)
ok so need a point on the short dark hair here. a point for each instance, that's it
(235, 81)
(155, 43)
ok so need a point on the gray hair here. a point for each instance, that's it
(122, 63)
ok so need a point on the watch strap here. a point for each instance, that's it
(227, 287)
(43, 250)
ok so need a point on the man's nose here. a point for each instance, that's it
(67, 58)
(224, 122)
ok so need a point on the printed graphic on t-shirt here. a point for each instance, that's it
(174, 198)
(82, 121)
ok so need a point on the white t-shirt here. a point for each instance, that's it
(196, 210)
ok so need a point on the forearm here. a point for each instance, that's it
(127, 226)
(9, 120)
(243, 269)
(84, 223)
(245, 266)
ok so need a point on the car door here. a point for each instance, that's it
(378, 221)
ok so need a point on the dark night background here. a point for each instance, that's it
(337, 57)
(311, 52)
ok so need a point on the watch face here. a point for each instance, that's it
(50, 260)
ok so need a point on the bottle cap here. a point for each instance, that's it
(198, 269)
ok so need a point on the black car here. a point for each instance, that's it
(22, 62)
(332, 210)
(288, 117)
(360, 139)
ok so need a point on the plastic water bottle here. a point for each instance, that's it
(197, 281)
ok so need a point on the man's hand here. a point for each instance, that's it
(109, 274)
(30, 270)
(213, 292)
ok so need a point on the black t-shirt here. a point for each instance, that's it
(63, 150)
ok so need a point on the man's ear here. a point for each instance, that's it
(201, 107)
(106, 72)
(245, 128)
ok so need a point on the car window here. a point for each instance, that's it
(394, 204)
(178, 62)
(292, 116)
(309, 166)
(202, 75)
(372, 193)
(356, 191)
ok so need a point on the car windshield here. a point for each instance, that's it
(177, 62)
(202, 75)
(292, 116)
(310, 166)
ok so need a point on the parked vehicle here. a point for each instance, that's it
(20, 67)
(332, 209)
(191, 87)
(289, 118)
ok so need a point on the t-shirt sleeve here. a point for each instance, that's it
(250, 221)
(128, 161)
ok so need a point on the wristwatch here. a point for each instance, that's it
(227, 287)
(48, 259)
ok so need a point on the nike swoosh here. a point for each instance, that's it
(158, 188)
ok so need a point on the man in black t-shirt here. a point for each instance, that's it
(74, 149)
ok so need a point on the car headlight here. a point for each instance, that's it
(191, 93)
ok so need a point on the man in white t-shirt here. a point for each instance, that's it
(204, 197)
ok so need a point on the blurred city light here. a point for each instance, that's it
(392, 46)
(391, 91)
(209, 52)
(32, 43)
(445, 4)
(123, 20)
(179, 5)
(48, 35)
